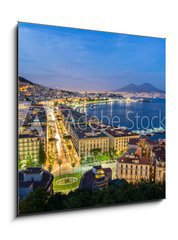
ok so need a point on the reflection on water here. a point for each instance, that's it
(133, 115)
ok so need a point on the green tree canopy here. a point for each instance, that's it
(114, 194)
(52, 139)
(67, 137)
(42, 154)
(95, 152)
(35, 202)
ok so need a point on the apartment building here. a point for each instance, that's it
(133, 168)
(85, 139)
(159, 163)
(144, 159)
(119, 138)
(29, 147)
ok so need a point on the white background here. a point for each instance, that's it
(141, 221)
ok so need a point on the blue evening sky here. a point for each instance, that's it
(75, 59)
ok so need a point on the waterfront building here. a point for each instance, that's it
(119, 138)
(33, 178)
(70, 116)
(86, 139)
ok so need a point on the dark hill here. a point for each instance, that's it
(24, 80)
(145, 87)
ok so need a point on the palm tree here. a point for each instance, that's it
(55, 104)
(67, 138)
(20, 164)
(60, 164)
(52, 140)
(42, 154)
(113, 153)
(50, 167)
(29, 161)
(81, 162)
(51, 158)
(121, 152)
(69, 147)
(73, 165)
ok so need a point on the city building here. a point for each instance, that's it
(143, 147)
(29, 146)
(159, 163)
(144, 159)
(32, 132)
(85, 139)
(119, 138)
(70, 116)
(33, 178)
(96, 178)
(132, 168)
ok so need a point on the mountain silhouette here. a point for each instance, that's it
(24, 80)
(145, 87)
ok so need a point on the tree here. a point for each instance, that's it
(42, 154)
(121, 152)
(81, 162)
(29, 162)
(35, 202)
(73, 165)
(50, 167)
(112, 153)
(60, 164)
(52, 140)
(122, 192)
(20, 164)
(55, 104)
(95, 152)
(69, 147)
(67, 138)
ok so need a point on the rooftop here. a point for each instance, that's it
(45, 182)
(33, 170)
(25, 184)
(85, 131)
(135, 160)
(120, 132)
(73, 116)
(134, 141)
(30, 135)
(148, 141)
(160, 153)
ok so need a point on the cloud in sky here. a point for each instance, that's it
(77, 59)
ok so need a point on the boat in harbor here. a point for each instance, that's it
(93, 106)
(144, 100)
(150, 132)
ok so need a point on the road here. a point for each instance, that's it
(63, 154)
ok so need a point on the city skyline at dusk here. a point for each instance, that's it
(80, 60)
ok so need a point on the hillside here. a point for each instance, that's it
(24, 80)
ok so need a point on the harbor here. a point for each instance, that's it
(150, 132)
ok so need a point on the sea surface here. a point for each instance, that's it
(133, 115)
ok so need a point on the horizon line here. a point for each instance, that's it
(104, 90)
